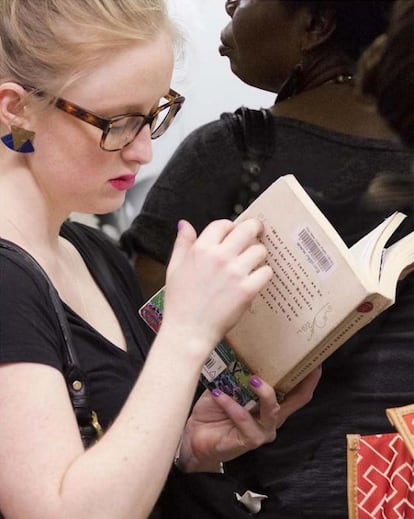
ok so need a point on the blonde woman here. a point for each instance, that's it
(84, 86)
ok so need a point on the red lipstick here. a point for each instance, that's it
(123, 182)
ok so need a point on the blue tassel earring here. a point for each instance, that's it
(19, 140)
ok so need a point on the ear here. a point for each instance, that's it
(320, 26)
(12, 100)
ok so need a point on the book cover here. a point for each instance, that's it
(321, 292)
(222, 370)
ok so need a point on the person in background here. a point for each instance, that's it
(84, 86)
(338, 146)
(305, 51)
(387, 73)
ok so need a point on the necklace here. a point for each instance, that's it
(342, 79)
(294, 85)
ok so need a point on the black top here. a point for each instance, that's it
(304, 470)
(28, 327)
(29, 332)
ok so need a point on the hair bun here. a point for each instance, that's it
(369, 67)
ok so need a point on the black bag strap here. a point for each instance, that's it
(254, 133)
(76, 379)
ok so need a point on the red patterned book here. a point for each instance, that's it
(381, 471)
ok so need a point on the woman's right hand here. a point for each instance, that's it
(212, 279)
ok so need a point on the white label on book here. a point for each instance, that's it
(314, 251)
(213, 366)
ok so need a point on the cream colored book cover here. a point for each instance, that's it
(321, 292)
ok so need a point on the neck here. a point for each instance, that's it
(316, 70)
(27, 207)
(324, 68)
(39, 243)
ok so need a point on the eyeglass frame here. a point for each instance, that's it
(174, 99)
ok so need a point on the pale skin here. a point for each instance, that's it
(44, 471)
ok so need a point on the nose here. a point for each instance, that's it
(140, 149)
(231, 6)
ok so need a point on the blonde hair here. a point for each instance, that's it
(50, 43)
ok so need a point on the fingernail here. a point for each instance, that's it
(255, 381)
(216, 392)
(180, 225)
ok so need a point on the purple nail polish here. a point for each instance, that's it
(216, 392)
(255, 381)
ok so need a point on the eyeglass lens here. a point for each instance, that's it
(124, 130)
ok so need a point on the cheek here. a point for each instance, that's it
(250, 60)
(71, 142)
(264, 54)
(68, 153)
(254, 37)
(65, 134)
(245, 33)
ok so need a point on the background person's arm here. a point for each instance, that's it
(150, 274)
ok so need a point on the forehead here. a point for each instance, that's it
(137, 74)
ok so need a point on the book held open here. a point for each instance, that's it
(321, 293)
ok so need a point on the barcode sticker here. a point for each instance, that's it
(314, 251)
(213, 366)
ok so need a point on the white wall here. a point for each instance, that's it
(204, 78)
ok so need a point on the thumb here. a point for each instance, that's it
(186, 236)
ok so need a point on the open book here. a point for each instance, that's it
(321, 293)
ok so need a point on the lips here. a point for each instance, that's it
(123, 182)
(225, 37)
(224, 50)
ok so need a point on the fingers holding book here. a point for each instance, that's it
(212, 279)
(219, 429)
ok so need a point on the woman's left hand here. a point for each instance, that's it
(219, 429)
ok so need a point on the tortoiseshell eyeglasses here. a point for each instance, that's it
(122, 129)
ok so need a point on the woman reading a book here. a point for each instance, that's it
(84, 85)
(335, 143)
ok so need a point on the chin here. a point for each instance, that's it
(108, 208)
(245, 78)
(103, 206)
(241, 74)
(256, 82)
